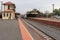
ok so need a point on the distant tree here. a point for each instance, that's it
(57, 12)
(44, 15)
(37, 11)
(50, 14)
(39, 14)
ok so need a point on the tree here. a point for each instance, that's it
(35, 13)
(57, 12)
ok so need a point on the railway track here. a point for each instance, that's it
(38, 31)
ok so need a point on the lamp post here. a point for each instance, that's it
(1, 5)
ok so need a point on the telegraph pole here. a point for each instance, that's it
(53, 10)
(53, 7)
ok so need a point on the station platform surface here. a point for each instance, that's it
(13, 30)
(9, 30)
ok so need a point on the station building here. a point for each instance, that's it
(9, 10)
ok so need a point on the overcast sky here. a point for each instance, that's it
(26, 5)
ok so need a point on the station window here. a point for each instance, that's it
(4, 14)
(8, 6)
(7, 14)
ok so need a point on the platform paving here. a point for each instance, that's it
(9, 30)
(24, 31)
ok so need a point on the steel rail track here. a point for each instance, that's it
(39, 30)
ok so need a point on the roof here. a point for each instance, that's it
(7, 3)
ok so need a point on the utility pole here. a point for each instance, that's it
(53, 7)
(53, 10)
